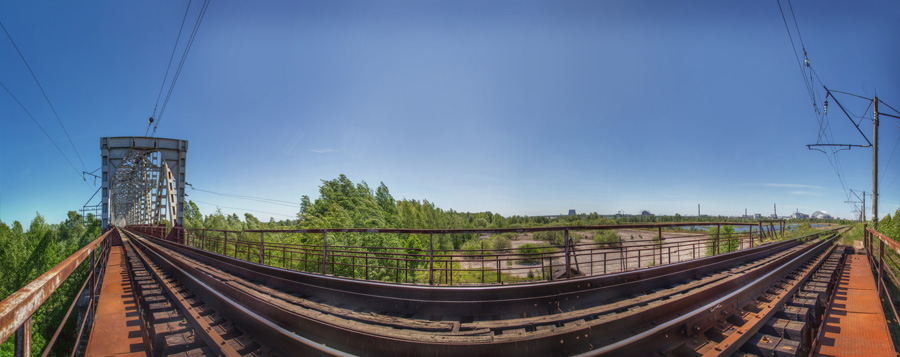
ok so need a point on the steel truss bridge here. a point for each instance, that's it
(157, 288)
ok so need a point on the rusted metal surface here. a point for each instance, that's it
(201, 327)
(482, 298)
(754, 321)
(18, 307)
(566, 295)
(671, 332)
(404, 262)
(350, 261)
(23, 340)
(887, 240)
(114, 332)
(274, 336)
(855, 325)
(65, 318)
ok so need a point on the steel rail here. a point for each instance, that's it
(274, 336)
(733, 342)
(201, 328)
(480, 298)
(669, 332)
(474, 300)
(348, 338)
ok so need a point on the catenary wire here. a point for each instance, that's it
(251, 198)
(40, 127)
(886, 167)
(169, 66)
(187, 50)
(33, 76)
(244, 209)
(809, 88)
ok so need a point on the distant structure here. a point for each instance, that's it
(143, 180)
(554, 216)
(798, 215)
(646, 213)
(821, 214)
(757, 216)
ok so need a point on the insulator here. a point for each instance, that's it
(826, 107)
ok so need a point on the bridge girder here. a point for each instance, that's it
(143, 179)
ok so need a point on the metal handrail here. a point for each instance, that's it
(409, 265)
(869, 235)
(16, 310)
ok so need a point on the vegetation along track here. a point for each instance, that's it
(616, 313)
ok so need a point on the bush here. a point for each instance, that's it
(473, 247)
(498, 243)
(556, 237)
(728, 240)
(531, 252)
(608, 237)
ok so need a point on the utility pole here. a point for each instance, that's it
(874, 144)
(863, 211)
(875, 165)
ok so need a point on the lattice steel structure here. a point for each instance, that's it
(143, 180)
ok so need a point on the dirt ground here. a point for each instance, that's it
(637, 251)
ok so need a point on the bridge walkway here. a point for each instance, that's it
(855, 325)
(117, 325)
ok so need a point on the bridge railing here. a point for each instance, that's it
(17, 309)
(881, 264)
(414, 264)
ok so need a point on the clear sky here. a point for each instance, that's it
(517, 107)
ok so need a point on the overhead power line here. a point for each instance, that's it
(177, 74)
(796, 25)
(58, 120)
(809, 87)
(244, 209)
(40, 126)
(251, 198)
(825, 135)
(169, 66)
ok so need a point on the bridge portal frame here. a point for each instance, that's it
(171, 152)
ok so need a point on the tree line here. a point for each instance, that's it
(26, 254)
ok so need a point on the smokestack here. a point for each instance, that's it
(775, 207)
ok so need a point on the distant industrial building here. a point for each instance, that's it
(798, 215)
(554, 216)
(646, 213)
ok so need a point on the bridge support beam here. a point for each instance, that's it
(131, 169)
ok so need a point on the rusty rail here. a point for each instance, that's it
(562, 295)
(16, 310)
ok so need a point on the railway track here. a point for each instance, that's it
(664, 310)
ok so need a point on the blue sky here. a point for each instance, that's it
(517, 107)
